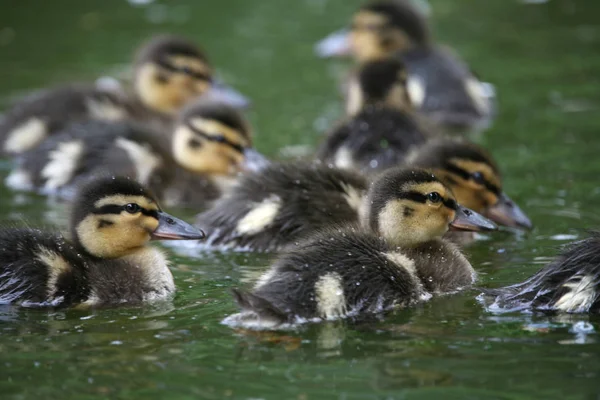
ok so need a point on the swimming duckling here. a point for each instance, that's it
(381, 134)
(169, 71)
(106, 262)
(396, 260)
(570, 283)
(209, 144)
(271, 210)
(441, 85)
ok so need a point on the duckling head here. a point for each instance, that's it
(378, 29)
(214, 138)
(115, 216)
(169, 72)
(408, 207)
(380, 82)
(472, 174)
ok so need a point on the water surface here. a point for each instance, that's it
(543, 59)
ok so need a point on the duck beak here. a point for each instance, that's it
(468, 220)
(336, 44)
(220, 92)
(507, 213)
(171, 228)
(254, 161)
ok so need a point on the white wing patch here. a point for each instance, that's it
(260, 216)
(479, 94)
(343, 158)
(353, 196)
(416, 90)
(25, 136)
(580, 297)
(62, 165)
(403, 261)
(331, 302)
(105, 110)
(144, 160)
(57, 266)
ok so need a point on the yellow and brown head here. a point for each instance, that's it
(408, 207)
(214, 138)
(169, 72)
(378, 29)
(381, 82)
(115, 216)
(472, 174)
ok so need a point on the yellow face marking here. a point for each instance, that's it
(469, 193)
(372, 38)
(210, 157)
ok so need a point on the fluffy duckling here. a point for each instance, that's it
(209, 144)
(381, 134)
(396, 260)
(570, 283)
(169, 71)
(273, 209)
(441, 85)
(106, 262)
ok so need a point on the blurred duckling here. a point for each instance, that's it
(107, 261)
(209, 144)
(569, 284)
(382, 129)
(397, 259)
(441, 85)
(169, 71)
(273, 209)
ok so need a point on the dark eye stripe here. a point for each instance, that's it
(184, 70)
(421, 198)
(220, 139)
(116, 209)
(467, 176)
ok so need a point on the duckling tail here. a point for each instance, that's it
(257, 312)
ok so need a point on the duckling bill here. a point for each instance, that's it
(107, 261)
(396, 259)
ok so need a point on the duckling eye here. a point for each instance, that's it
(478, 177)
(434, 197)
(220, 139)
(132, 208)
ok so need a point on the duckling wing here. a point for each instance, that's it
(40, 269)
(276, 207)
(571, 283)
(44, 113)
(374, 140)
(443, 88)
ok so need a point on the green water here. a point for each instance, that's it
(544, 61)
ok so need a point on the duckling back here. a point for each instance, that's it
(375, 139)
(570, 283)
(274, 208)
(42, 114)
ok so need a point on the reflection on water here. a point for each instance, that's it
(541, 57)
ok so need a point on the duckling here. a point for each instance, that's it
(273, 209)
(169, 71)
(441, 85)
(381, 134)
(106, 262)
(209, 144)
(397, 259)
(569, 284)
